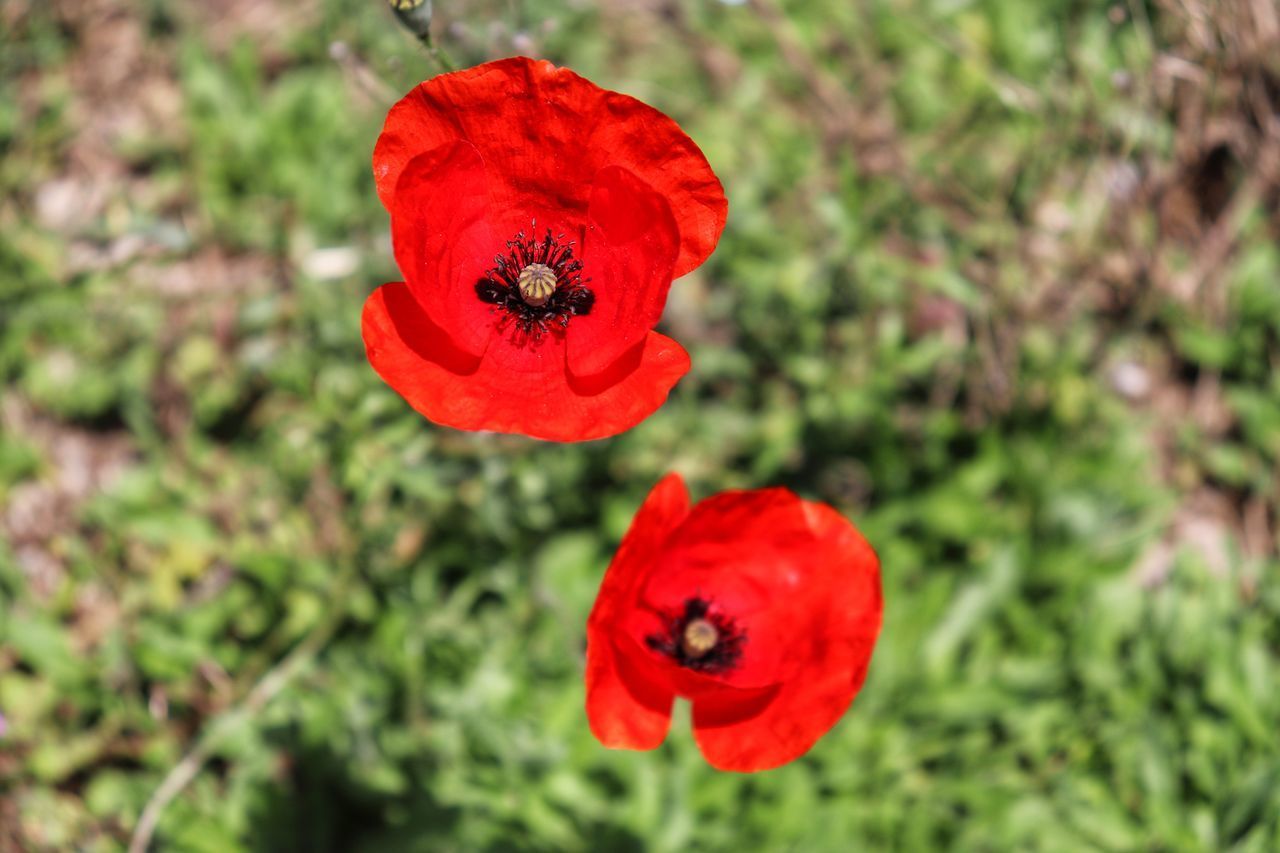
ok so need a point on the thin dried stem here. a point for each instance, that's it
(266, 689)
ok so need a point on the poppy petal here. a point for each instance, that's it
(663, 510)
(835, 645)
(627, 706)
(443, 242)
(579, 128)
(631, 243)
(453, 387)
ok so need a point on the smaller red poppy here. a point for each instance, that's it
(760, 608)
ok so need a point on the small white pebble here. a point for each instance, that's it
(1131, 380)
(331, 263)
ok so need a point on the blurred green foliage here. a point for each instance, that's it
(947, 301)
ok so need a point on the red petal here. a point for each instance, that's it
(443, 242)
(662, 512)
(832, 638)
(631, 243)
(524, 391)
(544, 132)
(628, 706)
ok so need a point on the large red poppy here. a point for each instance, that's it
(759, 607)
(538, 221)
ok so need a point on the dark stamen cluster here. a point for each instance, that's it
(501, 287)
(674, 641)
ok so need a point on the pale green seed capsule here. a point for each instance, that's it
(536, 282)
(700, 637)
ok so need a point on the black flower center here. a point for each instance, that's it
(700, 639)
(536, 286)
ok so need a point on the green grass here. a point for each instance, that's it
(954, 228)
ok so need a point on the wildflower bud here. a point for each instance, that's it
(415, 15)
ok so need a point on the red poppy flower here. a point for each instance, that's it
(539, 221)
(759, 607)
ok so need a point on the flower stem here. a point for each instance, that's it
(437, 53)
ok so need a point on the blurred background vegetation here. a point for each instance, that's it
(1001, 281)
